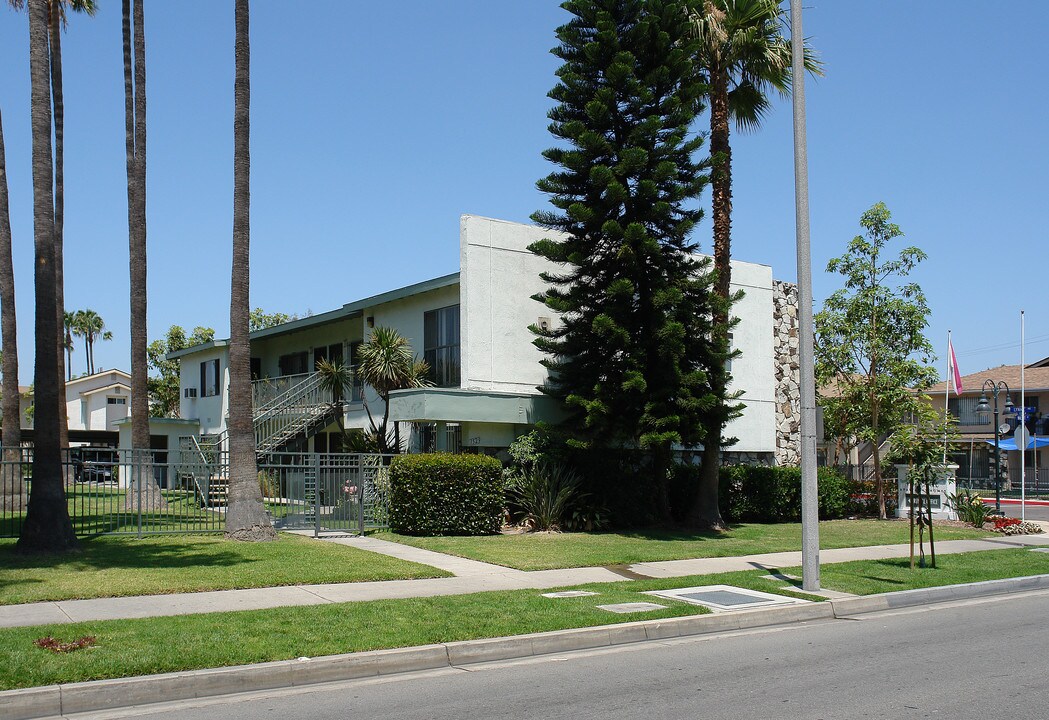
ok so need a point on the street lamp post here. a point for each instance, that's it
(982, 410)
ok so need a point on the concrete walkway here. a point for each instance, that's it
(470, 576)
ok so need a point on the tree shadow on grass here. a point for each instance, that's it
(675, 534)
(103, 553)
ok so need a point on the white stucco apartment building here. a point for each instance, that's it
(472, 327)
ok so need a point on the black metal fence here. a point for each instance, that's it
(186, 490)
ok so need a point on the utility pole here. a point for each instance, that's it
(810, 533)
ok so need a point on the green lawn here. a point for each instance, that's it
(99, 508)
(544, 551)
(867, 577)
(169, 644)
(110, 566)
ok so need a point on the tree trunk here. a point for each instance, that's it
(12, 488)
(246, 515)
(47, 526)
(55, 38)
(705, 512)
(143, 491)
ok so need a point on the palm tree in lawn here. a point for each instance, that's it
(245, 515)
(140, 494)
(47, 526)
(57, 21)
(743, 56)
(386, 363)
(12, 489)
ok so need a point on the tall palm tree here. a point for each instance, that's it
(743, 56)
(386, 363)
(12, 489)
(135, 146)
(91, 327)
(56, 23)
(47, 526)
(245, 515)
(68, 323)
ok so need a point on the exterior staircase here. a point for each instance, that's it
(304, 407)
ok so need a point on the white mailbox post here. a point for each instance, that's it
(939, 492)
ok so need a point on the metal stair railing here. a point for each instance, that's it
(292, 412)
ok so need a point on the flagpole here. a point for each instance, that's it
(1023, 425)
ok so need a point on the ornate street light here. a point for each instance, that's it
(983, 410)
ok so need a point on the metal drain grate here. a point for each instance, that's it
(725, 597)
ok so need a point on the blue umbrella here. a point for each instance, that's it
(1010, 443)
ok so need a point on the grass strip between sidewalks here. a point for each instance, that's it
(546, 551)
(155, 645)
(112, 566)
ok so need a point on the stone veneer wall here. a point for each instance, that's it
(788, 372)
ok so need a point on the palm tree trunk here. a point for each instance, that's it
(12, 488)
(55, 38)
(144, 492)
(246, 515)
(47, 526)
(705, 511)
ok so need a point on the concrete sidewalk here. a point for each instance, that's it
(470, 576)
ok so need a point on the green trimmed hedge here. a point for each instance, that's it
(445, 494)
(763, 493)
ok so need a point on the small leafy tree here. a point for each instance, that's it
(920, 445)
(163, 386)
(386, 363)
(870, 341)
(259, 319)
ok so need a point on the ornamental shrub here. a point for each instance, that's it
(445, 494)
(765, 493)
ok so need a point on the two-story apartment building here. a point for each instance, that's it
(472, 328)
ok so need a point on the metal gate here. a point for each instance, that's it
(326, 492)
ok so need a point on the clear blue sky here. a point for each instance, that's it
(375, 125)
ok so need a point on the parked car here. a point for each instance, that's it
(94, 464)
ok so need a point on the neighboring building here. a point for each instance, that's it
(472, 328)
(974, 459)
(94, 403)
(99, 401)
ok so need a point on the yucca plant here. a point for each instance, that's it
(544, 496)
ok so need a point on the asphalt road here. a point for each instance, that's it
(970, 659)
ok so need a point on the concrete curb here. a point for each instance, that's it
(57, 700)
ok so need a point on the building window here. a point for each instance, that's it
(116, 401)
(441, 345)
(294, 363)
(964, 408)
(209, 378)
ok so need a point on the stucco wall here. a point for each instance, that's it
(210, 411)
(498, 277)
(269, 349)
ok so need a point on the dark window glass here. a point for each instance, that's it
(209, 378)
(294, 363)
(441, 345)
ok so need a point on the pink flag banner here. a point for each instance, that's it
(956, 376)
